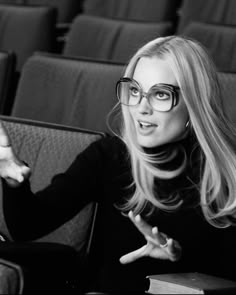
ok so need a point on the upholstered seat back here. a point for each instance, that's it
(219, 40)
(109, 39)
(25, 29)
(228, 84)
(141, 10)
(69, 91)
(50, 149)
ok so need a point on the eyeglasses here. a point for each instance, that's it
(162, 97)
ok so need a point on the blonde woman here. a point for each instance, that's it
(165, 185)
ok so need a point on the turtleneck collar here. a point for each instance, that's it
(183, 146)
(186, 142)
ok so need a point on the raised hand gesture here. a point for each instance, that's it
(12, 169)
(158, 246)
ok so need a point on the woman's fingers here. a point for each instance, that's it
(141, 225)
(25, 170)
(151, 233)
(159, 245)
(11, 168)
(174, 250)
(159, 237)
(16, 173)
(147, 250)
(132, 256)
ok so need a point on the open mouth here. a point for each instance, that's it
(145, 125)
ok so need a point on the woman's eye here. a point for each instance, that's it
(134, 91)
(161, 95)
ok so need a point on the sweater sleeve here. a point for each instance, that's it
(31, 215)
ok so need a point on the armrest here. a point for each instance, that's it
(11, 278)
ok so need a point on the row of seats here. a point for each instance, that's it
(112, 39)
(139, 10)
(66, 9)
(75, 92)
(105, 39)
(117, 40)
(109, 39)
(80, 92)
(26, 30)
(22, 26)
(211, 11)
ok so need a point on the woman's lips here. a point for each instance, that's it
(145, 127)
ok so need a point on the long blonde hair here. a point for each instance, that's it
(197, 79)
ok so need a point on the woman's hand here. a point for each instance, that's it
(12, 169)
(158, 245)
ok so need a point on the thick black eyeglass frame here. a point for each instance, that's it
(172, 88)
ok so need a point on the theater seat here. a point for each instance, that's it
(228, 83)
(206, 11)
(220, 41)
(49, 149)
(139, 10)
(25, 29)
(109, 39)
(70, 91)
(11, 278)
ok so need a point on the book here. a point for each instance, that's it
(189, 283)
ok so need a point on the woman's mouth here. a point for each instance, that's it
(146, 125)
(146, 128)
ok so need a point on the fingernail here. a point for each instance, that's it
(20, 178)
(154, 230)
(122, 260)
(130, 214)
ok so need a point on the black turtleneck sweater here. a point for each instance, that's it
(102, 173)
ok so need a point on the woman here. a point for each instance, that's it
(172, 168)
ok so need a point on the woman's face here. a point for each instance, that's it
(155, 128)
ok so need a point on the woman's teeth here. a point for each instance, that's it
(145, 125)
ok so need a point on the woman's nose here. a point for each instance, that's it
(144, 106)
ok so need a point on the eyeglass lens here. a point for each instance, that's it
(159, 97)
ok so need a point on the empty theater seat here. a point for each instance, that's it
(114, 40)
(220, 41)
(68, 91)
(140, 10)
(207, 11)
(25, 29)
(66, 9)
(228, 83)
